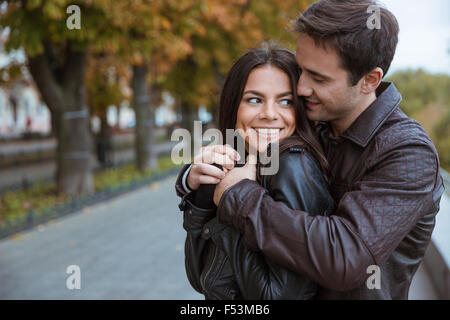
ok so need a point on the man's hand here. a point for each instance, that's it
(234, 176)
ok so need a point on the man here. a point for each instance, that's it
(384, 168)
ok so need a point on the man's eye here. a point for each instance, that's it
(254, 100)
(318, 80)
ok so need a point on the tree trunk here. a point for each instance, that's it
(220, 79)
(66, 99)
(119, 112)
(145, 159)
(105, 129)
(104, 142)
(188, 116)
(74, 153)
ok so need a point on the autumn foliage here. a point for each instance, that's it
(182, 46)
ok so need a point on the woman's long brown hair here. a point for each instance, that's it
(233, 91)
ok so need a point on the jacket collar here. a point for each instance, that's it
(362, 130)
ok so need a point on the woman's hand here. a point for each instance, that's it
(248, 171)
(202, 170)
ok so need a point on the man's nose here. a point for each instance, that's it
(303, 89)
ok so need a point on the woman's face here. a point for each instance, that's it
(266, 112)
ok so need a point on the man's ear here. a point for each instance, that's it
(372, 80)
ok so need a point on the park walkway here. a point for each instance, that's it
(130, 247)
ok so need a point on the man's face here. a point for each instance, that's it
(324, 83)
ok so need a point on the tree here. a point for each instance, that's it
(186, 47)
(159, 39)
(57, 58)
(106, 79)
(154, 36)
(227, 28)
(442, 133)
(419, 89)
(426, 99)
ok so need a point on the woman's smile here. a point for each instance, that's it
(266, 113)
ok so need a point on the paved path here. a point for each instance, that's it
(130, 247)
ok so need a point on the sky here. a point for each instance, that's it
(424, 39)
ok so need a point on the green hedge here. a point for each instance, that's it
(15, 206)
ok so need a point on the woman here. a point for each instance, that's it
(259, 99)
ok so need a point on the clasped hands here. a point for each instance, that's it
(203, 172)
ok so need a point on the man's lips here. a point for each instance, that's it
(311, 104)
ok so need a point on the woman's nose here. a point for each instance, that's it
(269, 111)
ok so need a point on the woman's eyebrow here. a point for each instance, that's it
(288, 93)
(257, 93)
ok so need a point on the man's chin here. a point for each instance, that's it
(313, 115)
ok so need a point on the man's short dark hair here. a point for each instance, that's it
(343, 26)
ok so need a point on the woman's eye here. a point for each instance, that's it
(254, 100)
(318, 80)
(286, 102)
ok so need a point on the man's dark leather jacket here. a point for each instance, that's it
(220, 266)
(386, 183)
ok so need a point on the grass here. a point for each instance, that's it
(116, 177)
(15, 205)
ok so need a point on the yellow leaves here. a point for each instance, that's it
(137, 58)
(176, 48)
(165, 23)
(53, 11)
(160, 24)
(159, 65)
(104, 81)
(181, 5)
(33, 4)
(161, 33)
(223, 13)
(154, 186)
(304, 4)
(200, 30)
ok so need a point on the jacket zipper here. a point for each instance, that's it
(211, 267)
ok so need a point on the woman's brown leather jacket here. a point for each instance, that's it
(220, 266)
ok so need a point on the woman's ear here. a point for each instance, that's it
(372, 80)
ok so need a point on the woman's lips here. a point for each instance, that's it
(268, 131)
(268, 134)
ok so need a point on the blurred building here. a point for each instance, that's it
(21, 110)
(166, 114)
